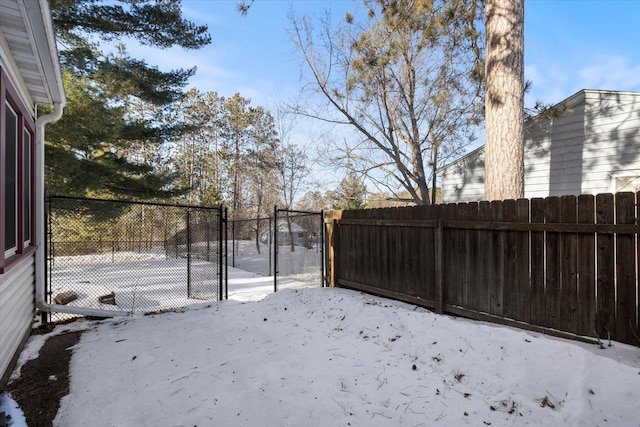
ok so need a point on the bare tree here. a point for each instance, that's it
(404, 79)
(261, 166)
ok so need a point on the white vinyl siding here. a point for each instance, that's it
(612, 143)
(553, 151)
(581, 152)
(16, 311)
(463, 181)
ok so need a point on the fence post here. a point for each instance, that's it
(439, 291)
(275, 249)
(226, 253)
(334, 242)
(270, 243)
(321, 243)
(49, 254)
(221, 241)
(188, 253)
(233, 243)
(208, 225)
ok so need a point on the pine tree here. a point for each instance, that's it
(351, 193)
(88, 151)
(504, 100)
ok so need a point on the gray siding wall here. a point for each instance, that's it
(553, 154)
(596, 139)
(16, 312)
(463, 181)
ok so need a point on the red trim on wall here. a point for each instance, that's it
(25, 121)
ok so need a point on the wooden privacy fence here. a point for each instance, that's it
(563, 265)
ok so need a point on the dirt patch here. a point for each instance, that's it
(45, 380)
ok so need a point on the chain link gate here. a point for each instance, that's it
(132, 257)
(299, 249)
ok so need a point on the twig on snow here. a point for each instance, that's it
(632, 331)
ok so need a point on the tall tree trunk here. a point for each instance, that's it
(504, 100)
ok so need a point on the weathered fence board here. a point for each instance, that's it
(552, 258)
(429, 261)
(451, 239)
(523, 244)
(564, 265)
(605, 286)
(511, 285)
(635, 326)
(484, 261)
(625, 268)
(586, 268)
(568, 267)
(496, 285)
(538, 312)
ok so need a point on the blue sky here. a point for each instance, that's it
(569, 45)
(573, 45)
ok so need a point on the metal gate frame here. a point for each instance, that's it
(222, 270)
(322, 229)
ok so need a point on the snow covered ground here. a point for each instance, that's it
(152, 281)
(335, 357)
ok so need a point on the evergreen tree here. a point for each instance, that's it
(89, 151)
(504, 100)
(351, 193)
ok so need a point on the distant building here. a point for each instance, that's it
(593, 147)
(299, 235)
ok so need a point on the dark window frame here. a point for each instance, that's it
(25, 196)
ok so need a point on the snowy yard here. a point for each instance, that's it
(155, 280)
(335, 357)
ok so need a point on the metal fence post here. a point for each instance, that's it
(208, 237)
(275, 249)
(188, 253)
(270, 243)
(220, 258)
(321, 232)
(233, 243)
(49, 251)
(226, 254)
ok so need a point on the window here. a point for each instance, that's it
(16, 177)
(10, 181)
(27, 189)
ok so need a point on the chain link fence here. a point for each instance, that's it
(131, 257)
(299, 249)
(251, 245)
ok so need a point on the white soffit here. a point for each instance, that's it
(27, 32)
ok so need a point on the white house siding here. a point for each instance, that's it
(463, 180)
(612, 139)
(16, 312)
(553, 151)
(581, 152)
